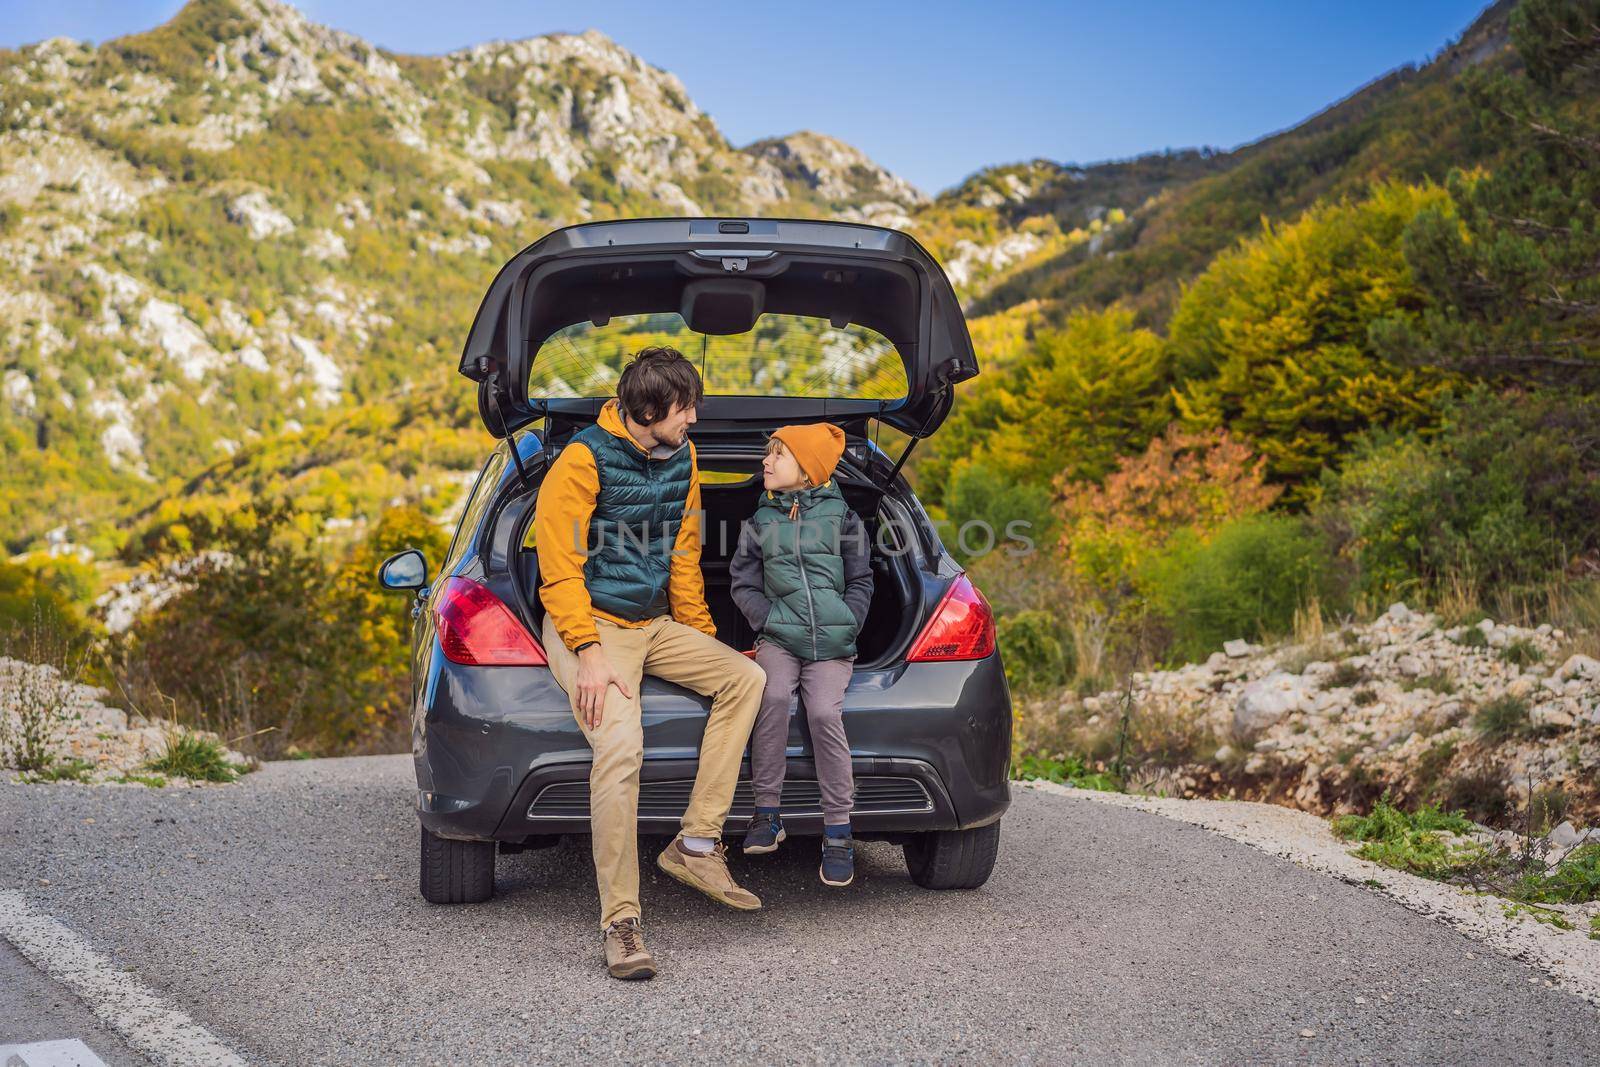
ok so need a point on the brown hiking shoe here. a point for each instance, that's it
(626, 956)
(707, 873)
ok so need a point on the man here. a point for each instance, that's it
(617, 528)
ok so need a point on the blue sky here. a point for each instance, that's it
(933, 89)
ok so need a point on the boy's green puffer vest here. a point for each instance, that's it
(803, 572)
(635, 524)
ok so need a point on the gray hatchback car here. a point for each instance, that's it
(789, 321)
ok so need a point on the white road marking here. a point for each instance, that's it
(66, 1053)
(120, 1000)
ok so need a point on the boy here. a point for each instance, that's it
(801, 574)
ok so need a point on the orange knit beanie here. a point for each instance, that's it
(816, 446)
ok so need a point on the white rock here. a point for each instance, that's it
(1579, 666)
(325, 244)
(1409, 665)
(1267, 700)
(1550, 715)
(1237, 648)
(256, 213)
(1522, 686)
(324, 372)
(164, 325)
(1565, 835)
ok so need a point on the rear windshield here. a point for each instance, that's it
(785, 355)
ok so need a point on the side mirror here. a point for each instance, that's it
(404, 570)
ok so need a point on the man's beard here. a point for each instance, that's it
(662, 437)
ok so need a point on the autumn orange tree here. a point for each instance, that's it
(1184, 480)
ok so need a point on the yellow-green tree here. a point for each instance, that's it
(1272, 341)
(1093, 391)
(377, 624)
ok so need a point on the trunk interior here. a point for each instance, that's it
(729, 493)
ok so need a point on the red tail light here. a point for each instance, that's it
(962, 627)
(477, 630)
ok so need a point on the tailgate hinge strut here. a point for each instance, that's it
(492, 383)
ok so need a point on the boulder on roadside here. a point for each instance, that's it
(1267, 700)
(1578, 667)
(1550, 716)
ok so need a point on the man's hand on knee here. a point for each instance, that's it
(595, 676)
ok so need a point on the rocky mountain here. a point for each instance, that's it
(242, 223)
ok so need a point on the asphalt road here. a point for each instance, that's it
(281, 914)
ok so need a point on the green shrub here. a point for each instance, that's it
(1247, 581)
(1480, 795)
(1546, 808)
(1576, 880)
(979, 494)
(1472, 637)
(1031, 645)
(1497, 501)
(1386, 822)
(1409, 841)
(1437, 681)
(72, 770)
(154, 781)
(1521, 652)
(305, 652)
(1346, 675)
(1503, 719)
(1065, 770)
(189, 755)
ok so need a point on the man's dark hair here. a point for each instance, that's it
(656, 380)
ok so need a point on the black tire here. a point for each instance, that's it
(953, 859)
(456, 872)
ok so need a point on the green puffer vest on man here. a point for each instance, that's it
(634, 525)
(803, 572)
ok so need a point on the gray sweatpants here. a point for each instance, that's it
(821, 686)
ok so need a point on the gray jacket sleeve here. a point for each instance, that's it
(744, 579)
(857, 553)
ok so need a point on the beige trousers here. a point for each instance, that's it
(677, 653)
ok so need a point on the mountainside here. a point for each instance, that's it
(1182, 208)
(242, 223)
(236, 248)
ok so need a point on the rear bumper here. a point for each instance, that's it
(499, 756)
(892, 795)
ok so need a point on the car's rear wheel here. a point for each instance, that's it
(953, 859)
(456, 872)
